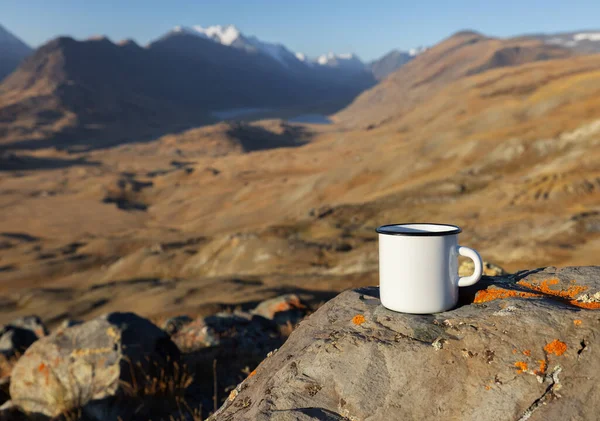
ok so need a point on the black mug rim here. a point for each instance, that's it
(452, 230)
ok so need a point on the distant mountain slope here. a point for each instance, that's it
(463, 54)
(12, 52)
(389, 63)
(70, 91)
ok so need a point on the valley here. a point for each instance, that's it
(224, 215)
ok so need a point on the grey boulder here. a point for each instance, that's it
(116, 354)
(519, 347)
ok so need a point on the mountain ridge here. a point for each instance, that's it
(98, 89)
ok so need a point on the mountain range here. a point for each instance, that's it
(96, 89)
(95, 93)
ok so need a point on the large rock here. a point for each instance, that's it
(116, 354)
(518, 347)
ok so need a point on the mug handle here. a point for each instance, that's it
(465, 281)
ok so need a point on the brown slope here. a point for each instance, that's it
(463, 54)
(79, 89)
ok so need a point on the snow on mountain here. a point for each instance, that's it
(225, 35)
(345, 61)
(590, 36)
(582, 41)
(231, 36)
(413, 52)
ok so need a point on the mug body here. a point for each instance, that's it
(418, 267)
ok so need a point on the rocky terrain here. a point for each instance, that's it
(123, 366)
(523, 343)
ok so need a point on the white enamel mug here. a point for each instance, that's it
(418, 267)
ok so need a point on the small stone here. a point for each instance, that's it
(438, 344)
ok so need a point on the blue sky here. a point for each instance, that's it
(369, 28)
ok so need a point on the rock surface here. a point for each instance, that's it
(519, 347)
(116, 354)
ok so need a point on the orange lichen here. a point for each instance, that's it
(589, 306)
(542, 368)
(282, 307)
(42, 368)
(544, 287)
(487, 387)
(577, 322)
(521, 365)
(515, 351)
(527, 352)
(492, 294)
(253, 373)
(556, 347)
(540, 289)
(358, 320)
(290, 304)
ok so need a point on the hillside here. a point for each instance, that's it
(199, 220)
(463, 54)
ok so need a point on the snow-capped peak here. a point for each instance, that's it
(331, 58)
(225, 35)
(345, 60)
(413, 52)
(231, 36)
